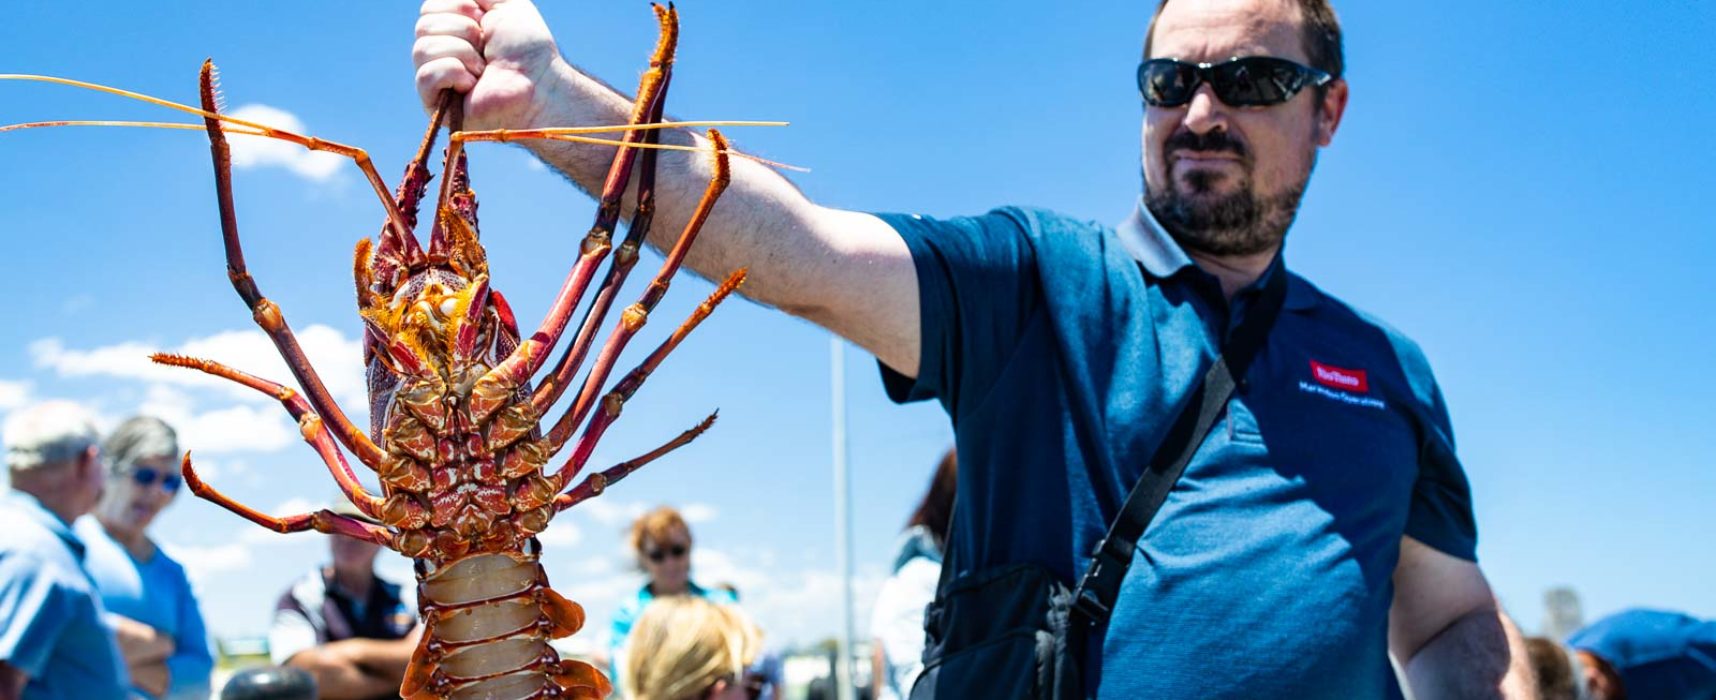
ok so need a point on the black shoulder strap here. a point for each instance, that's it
(1099, 588)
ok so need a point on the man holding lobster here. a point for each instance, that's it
(1323, 523)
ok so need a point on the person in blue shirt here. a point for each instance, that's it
(661, 539)
(1325, 522)
(1646, 654)
(53, 640)
(147, 594)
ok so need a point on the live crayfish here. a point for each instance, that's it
(456, 438)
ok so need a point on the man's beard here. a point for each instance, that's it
(1238, 223)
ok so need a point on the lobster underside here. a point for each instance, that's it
(457, 436)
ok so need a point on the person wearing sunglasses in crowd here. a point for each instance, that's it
(54, 639)
(147, 594)
(1324, 523)
(690, 648)
(661, 540)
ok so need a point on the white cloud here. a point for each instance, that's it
(293, 506)
(204, 562)
(258, 151)
(338, 361)
(696, 513)
(561, 533)
(241, 428)
(13, 394)
(611, 512)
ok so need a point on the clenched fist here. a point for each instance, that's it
(499, 53)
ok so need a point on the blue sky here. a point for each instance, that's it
(1519, 186)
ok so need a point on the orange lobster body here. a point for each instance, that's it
(456, 436)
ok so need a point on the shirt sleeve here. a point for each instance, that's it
(1441, 510)
(290, 634)
(192, 662)
(34, 609)
(977, 285)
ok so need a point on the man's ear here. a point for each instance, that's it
(91, 461)
(1330, 110)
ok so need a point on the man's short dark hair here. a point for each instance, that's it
(1320, 33)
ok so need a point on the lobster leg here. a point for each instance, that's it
(634, 317)
(495, 387)
(320, 521)
(595, 484)
(309, 424)
(555, 382)
(616, 399)
(267, 314)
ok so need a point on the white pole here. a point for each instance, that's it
(842, 516)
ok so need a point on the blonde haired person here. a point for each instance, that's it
(686, 648)
(661, 540)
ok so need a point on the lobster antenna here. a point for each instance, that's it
(570, 134)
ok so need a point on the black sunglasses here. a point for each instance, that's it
(145, 477)
(1250, 81)
(660, 555)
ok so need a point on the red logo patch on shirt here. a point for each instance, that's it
(1340, 378)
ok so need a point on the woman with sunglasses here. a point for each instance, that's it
(688, 648)
(662, 542)
(146, 593)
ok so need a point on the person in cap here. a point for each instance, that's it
(1641, 654)
(148, 597)
(351, 629)
(53, 641)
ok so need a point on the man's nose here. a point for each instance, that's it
(1205, 113)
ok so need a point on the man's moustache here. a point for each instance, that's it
(1212, 142)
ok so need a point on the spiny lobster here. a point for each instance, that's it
(455, 424)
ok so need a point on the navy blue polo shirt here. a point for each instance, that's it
(1061, 350)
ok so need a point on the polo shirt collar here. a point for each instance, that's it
(32, 507)
(1148, 242)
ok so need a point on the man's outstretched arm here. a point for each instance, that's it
(1450, 634)
(847, 271)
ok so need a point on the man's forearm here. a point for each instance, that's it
(1480, 655)
(153, 677)
(339, 678)
(759, 211)
(384, 657)
(140, 643)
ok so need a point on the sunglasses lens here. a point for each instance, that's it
(147, 476)
(1257, 81)
(1166, 82)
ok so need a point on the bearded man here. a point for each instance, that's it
(1324, 522)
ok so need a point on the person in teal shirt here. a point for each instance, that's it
(148, 598)
(53, 642)
(662, 541)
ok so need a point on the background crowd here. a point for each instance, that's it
(92, 607)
